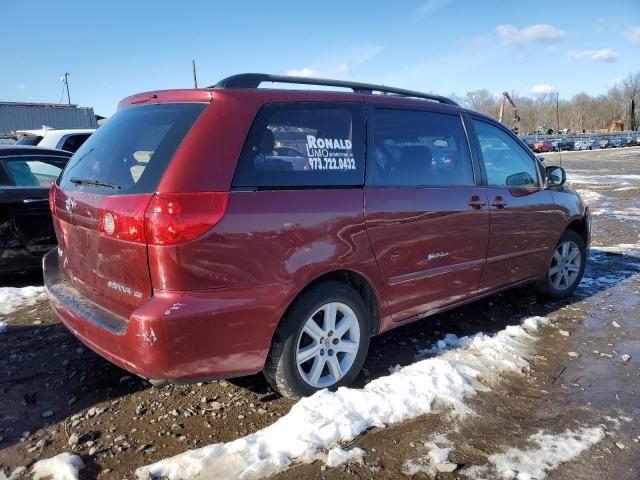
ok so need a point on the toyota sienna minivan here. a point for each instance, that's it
(230, 230)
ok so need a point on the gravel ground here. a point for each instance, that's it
(56, 396)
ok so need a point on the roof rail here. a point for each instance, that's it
(253, 80)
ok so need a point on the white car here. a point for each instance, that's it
(56, 138)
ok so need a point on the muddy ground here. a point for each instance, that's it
(55, 395)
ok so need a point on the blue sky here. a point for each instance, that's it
(115, 48)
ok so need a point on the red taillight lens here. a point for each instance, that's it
(173, 218)
(52, 198)
(122, 217)
(163, 218)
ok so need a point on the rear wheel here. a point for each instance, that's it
(567, 266)
(321, 343)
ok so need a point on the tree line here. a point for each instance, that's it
(582, 112)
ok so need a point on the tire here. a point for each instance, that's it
(293, 341)
(565, 270)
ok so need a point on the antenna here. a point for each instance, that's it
(65, 79)
(195, 78)
(558, 122)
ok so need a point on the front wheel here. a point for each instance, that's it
(567, 266)
(322, 341)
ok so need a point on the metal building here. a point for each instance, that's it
(30, 116)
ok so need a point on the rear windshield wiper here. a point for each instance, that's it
(94, 183)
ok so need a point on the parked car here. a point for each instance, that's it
(617, 142)
(208, 263)
(60, 139)
(542, 147)
(605, 143)
(530, 143)
(26, 229)
(583, 144)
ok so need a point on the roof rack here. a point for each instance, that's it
(253, 80)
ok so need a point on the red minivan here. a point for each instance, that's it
(225, 231)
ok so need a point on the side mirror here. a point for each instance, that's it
(556, 176)
(520, 180)
(540, 158)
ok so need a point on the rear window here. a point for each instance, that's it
(29, 140)
(304, 145)
(131, 151)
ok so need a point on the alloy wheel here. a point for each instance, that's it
(328, 345)
(565, 265)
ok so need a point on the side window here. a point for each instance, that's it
(304, 145)
(34, 173)
(415, 148)
(73, 142)
(506, 161)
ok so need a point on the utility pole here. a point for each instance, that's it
(195, 79)
(558, 123)
(65, 79)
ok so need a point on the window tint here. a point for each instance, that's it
(304, 145)
(132, 149)
(73, 142)
(34, 172)
(506, 161)
(414, 148)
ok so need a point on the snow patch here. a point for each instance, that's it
(327, 419)
(547, 454)
(437, 453)
(61, 467)
(337, 456)
(589, 196)
(13, 298)
(622, 180)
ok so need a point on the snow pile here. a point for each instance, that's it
(536, 462)
(13, 298)
(326, 419)
(61, 467)
(436, 458)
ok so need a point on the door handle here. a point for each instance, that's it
(499, 202)
(476, 203)
(35, 200)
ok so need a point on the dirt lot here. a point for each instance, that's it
(55, 395)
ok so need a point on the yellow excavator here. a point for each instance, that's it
(516, 118)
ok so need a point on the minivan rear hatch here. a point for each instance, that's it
(99, 202)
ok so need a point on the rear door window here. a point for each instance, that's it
(418, 148)
(34, 172)
(73, 142)
(132, 150)
(304, 145)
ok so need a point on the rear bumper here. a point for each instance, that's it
(176, 335)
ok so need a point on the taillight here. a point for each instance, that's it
(163, 218)
(173, 218)
(52, 198)
(122, 217)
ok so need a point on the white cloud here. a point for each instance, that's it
(633, 34)
(432, 6)
(542, 89)
(540, 33)
(21, 86)
(338, 70)
(616, 82)
(603, 55)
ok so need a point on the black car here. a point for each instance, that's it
(26, 228)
